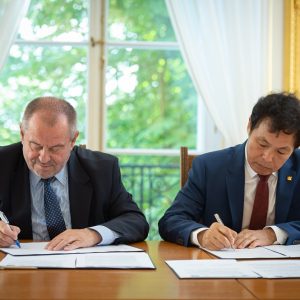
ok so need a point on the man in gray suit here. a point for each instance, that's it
(93, 205)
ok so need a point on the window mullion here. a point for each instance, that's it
(96, 82)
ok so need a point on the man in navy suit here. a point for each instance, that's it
(224, 182)
(94, 207)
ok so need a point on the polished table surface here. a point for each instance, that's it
(160, 283)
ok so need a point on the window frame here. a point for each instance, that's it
(97, 49)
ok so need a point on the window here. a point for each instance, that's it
(140, 104)
(148, 89)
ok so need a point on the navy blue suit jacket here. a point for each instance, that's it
(216, 185)
(96, 194)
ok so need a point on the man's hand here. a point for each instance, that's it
(74, 238)
(217, 237)
(8, 234)
(254, 238)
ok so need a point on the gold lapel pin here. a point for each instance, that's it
(289, 178)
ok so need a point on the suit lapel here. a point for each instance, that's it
(235, 181)
(285, 187)
(80, 193)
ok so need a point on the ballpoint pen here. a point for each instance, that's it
(219, 220)
(5, 220)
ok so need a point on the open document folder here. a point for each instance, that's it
(34, 255)
(230, 268)
(111, 260)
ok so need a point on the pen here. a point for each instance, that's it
(5, 220)
(219, 220)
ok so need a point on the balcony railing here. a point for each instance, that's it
(153, 188)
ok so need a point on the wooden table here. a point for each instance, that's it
(279, 289)
(161, 283)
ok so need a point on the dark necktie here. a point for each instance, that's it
(261, 203)
(54, 219)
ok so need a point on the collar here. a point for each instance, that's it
(61, 176)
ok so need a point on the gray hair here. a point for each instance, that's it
(55, 107)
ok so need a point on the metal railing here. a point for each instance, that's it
(153, 188)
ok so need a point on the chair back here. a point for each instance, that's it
(185, 164)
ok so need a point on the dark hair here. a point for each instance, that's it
(55, 107)
(283, 112)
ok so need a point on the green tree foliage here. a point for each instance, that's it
(160, 112)
(38, 70)
(54, 20)
(141, 20)
(152, 97)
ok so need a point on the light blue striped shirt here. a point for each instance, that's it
(61, 189)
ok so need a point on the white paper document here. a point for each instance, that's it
(39, 261)
(274, 251)
(292, 251)
(109, 260)
(288, 268)
(39, 249)
(258, 252)
(121, 260)
(210, 268)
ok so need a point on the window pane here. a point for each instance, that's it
(31, 72)
(56, 20)
(151, 101)
(136, 20)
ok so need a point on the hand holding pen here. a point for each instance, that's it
(217, 236)
(13, 229)
(230, 238)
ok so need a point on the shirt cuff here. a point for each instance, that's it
(194, 236)
(108, 235)
(281, 235)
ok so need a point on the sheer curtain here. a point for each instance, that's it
(228, 49)
(11, 14)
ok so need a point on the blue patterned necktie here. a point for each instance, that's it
(54, 219)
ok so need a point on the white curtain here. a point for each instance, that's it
(226, 46)
(11, 14)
